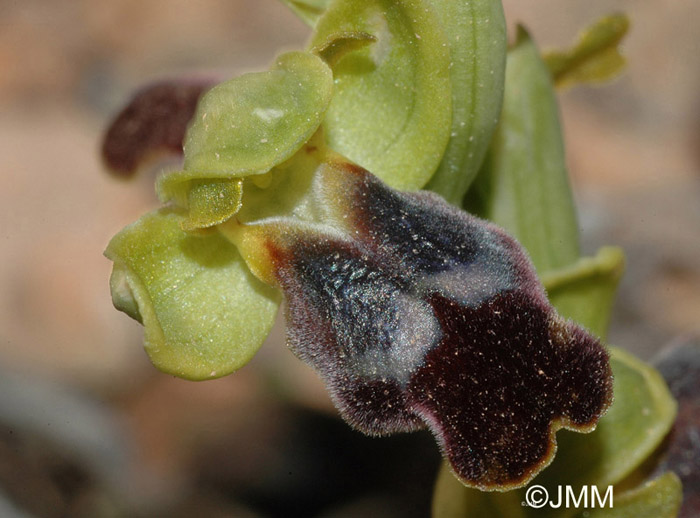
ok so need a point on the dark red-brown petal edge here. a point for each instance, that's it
(152, 125)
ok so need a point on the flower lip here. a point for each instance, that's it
(416, 314)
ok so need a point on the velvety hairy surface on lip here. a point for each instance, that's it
(153, 124)
(345, 318)
(417, 314)
(502, 377)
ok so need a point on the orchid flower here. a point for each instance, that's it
(300, 183)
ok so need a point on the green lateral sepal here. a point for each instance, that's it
(205, 314)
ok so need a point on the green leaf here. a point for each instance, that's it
(595, 57)
(248, 125)
(391, 107)
(309, 11)
(204, 313)
(636, 423)
(476, 33)
(585, 290)
(658, 498)
(523, 185)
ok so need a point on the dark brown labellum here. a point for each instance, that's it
(418, 314)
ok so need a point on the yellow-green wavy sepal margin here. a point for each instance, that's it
(205, 314)
(391, 106)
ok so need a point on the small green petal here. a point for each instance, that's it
(585, 291)
(595, 57)
(658, 498)
(524, 186)
(250, 124)
(391, 108)
(204, 313)
(209, 202)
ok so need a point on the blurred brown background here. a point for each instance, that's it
(89, 428)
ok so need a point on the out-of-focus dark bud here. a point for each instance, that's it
(152, 125)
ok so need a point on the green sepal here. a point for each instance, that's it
(208, 201)
(205, 314)
(249, 124)
(391, 107)
(585, 290)
(596, 55)
(523, 185)
(658, 498)
(476, 33)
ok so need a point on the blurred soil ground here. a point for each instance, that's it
(89, 428)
